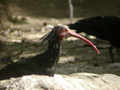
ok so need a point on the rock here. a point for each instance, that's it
(78, 81)
(114, 65)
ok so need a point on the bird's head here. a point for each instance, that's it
(63, 31)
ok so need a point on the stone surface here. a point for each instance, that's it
(78, 81)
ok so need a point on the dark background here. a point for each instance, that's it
(60, 8)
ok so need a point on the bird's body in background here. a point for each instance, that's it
(103, 27)
(44, 63)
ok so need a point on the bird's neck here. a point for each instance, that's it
(53, 51)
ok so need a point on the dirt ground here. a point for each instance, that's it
(75, 56)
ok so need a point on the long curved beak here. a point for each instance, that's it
(72, 33)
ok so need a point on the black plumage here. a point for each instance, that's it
(39, 64)
(103, 27)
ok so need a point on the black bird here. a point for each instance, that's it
(42, 64)
(103, 27)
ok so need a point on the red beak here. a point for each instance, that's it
(72, 33)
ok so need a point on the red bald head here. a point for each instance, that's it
(63, 30)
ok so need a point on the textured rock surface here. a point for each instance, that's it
(78, 81)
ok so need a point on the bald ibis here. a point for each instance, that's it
(43, 64)
(103, 27)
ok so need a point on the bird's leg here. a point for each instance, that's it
(117, 49)
(51, 71)
(111, 53)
